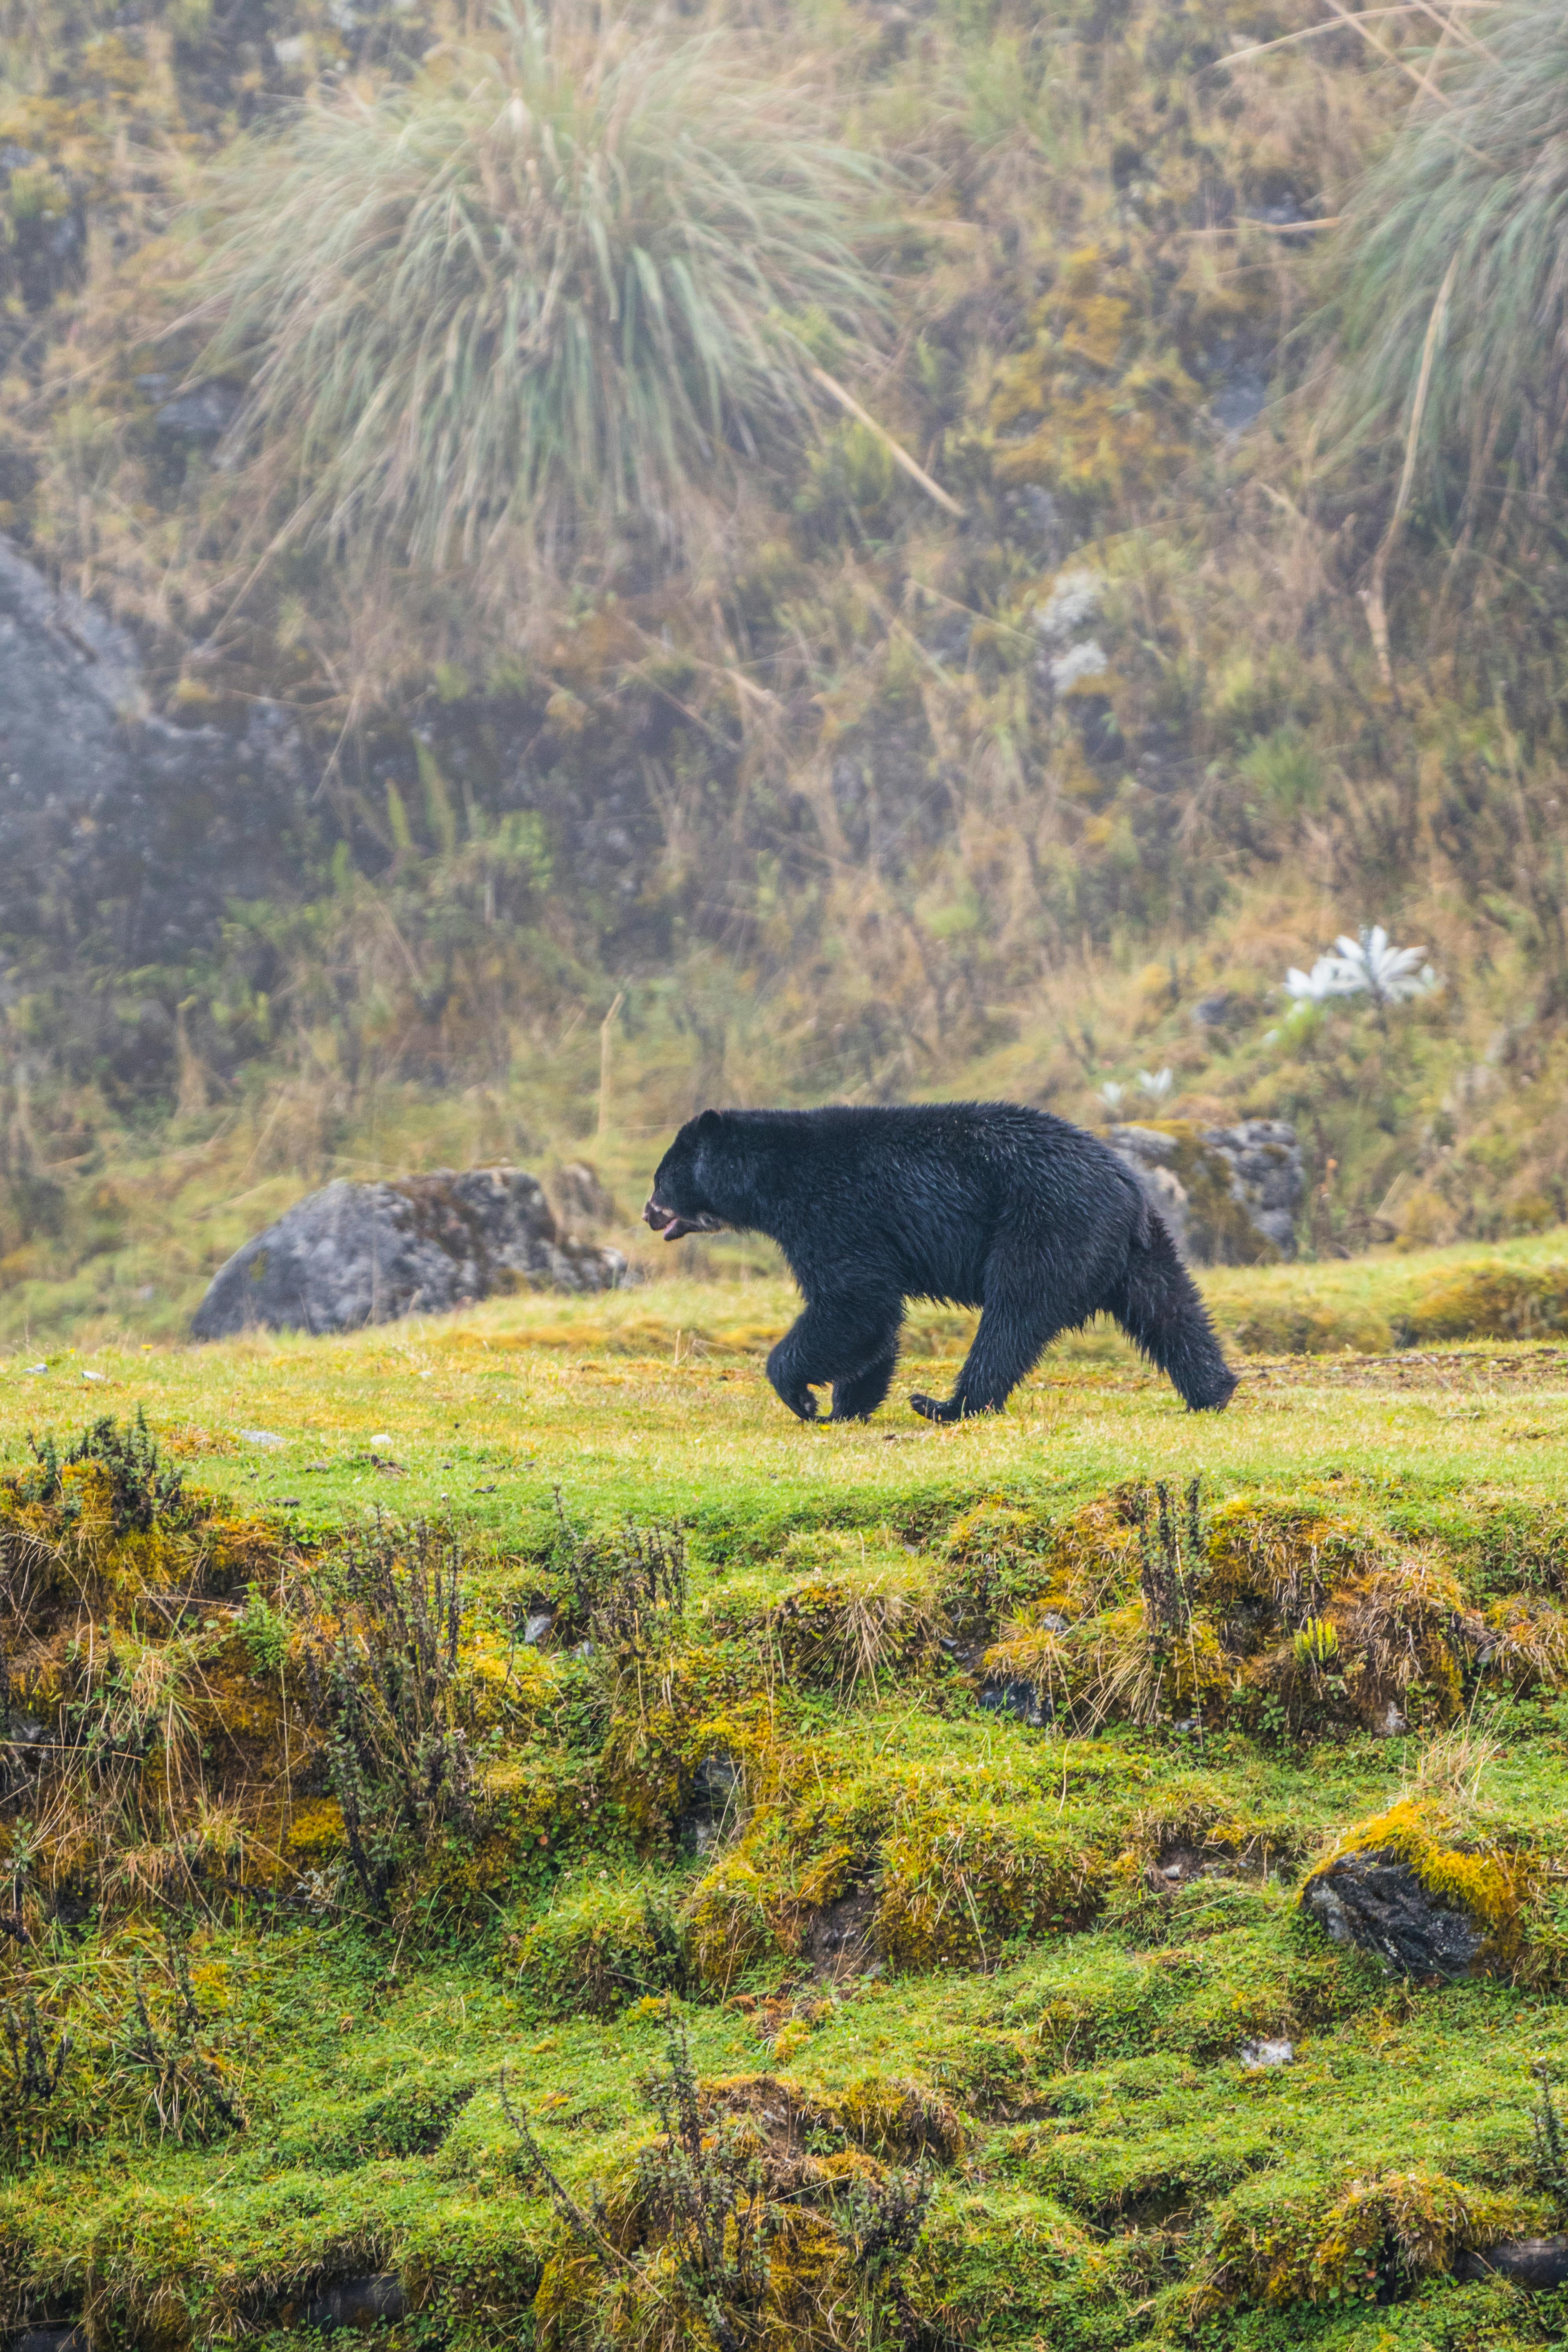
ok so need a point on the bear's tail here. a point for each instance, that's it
(1157, 1303)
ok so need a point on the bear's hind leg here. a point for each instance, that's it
(1017, 1325)
(842, 1339)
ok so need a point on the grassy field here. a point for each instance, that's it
(347, 1917)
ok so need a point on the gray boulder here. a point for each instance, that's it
(1540, 2264)
(1152, 1154)
(359, 1254)
(1229, 1194)
(1376, 1902)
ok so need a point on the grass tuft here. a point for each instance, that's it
(1456, 304)
(546, 297)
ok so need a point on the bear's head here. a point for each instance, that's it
(681, 1202)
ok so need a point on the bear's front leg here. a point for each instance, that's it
(856, 1396)
(840, 1342)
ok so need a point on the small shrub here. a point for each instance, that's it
(388, 1695)
(1492, 1302)
(36, 2051)
(263, 1632)
(1524, 1543)
(626, 1589)
(163, 2066)
(1546, 2133)
(141, 1487)
(601, 1946)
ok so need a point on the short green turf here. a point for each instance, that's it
(1116, 2174)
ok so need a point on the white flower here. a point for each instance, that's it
(1326, 978)
(1070, 603)
(1156, 1086)
(1110, 1095)
(1086, 660)
(1389, 975)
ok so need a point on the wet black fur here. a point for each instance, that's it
(985, 1205)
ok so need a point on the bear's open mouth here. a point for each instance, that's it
(671, 1224)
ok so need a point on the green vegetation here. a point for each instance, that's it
(496, 1801)
(830, 788)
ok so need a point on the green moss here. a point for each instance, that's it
(602, 1943)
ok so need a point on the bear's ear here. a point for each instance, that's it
(707, 1123)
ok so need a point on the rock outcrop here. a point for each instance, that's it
(1377, 1902)
(1538, 2265)
(359, 1254)
(117, 826)
(1229, 1194)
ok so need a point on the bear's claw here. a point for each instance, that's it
(935, 1408)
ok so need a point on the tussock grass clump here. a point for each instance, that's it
(1454, 317)
(1492, 1302)
(146, 1773)
(846, 1633)
(1525, 1644)
(730, 1922)
(1273, 1558)
(960, 1883)
(547, 294)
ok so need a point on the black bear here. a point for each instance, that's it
(985, 1205)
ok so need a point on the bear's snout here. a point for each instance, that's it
(672, 1225)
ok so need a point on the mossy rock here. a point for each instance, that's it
(1406, 1886)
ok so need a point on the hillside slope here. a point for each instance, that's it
(863, 795)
